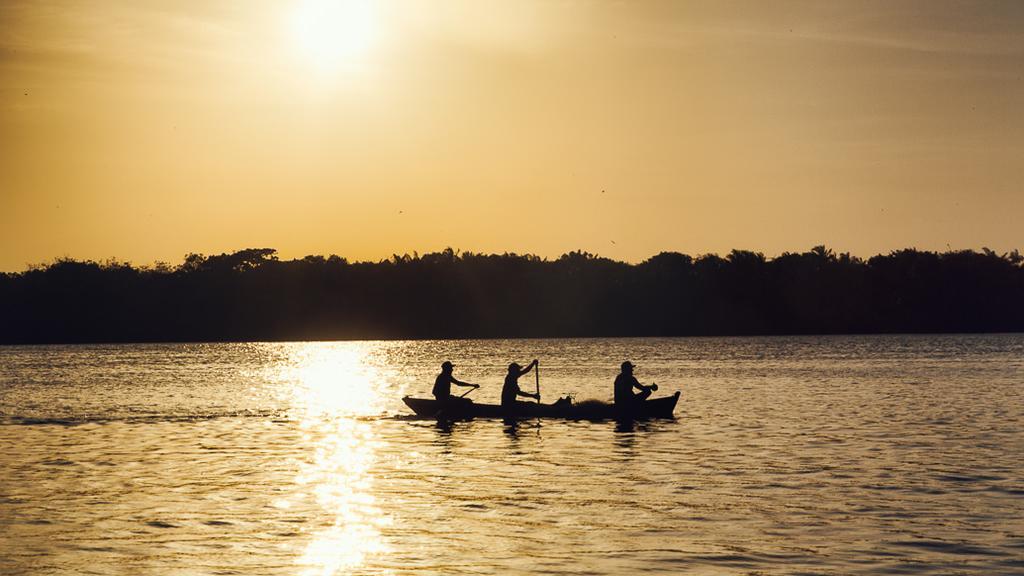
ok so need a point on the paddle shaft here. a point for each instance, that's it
(439, 410)
(536, 377)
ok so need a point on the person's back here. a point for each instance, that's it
(510, 390)
(442, 386)
(624, 388)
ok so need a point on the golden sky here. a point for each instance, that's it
(145, 130)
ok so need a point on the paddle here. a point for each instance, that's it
(536, 379)
(536, 375)
(441, 409)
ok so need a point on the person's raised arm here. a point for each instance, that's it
(531, 366)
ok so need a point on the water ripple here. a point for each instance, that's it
(839, 455)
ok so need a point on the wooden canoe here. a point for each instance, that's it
(590, 410)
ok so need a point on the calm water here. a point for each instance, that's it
(837, 455)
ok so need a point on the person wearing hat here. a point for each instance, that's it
(510, 391)
(624, 384)
(443, 383)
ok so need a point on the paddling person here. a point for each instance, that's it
(624, 384)
(443, 384)
(510, 391)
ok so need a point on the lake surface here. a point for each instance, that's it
(813, 455)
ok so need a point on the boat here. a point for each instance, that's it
(564, 409)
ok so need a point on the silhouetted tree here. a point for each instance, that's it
(252, 295)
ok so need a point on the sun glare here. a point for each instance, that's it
(331, 34)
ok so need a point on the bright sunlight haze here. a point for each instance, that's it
(330, 34)
(146, 131)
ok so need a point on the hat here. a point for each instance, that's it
(447, 364)
(627, 365)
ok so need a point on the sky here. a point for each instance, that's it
(143, 131)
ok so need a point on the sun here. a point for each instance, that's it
(331, 34)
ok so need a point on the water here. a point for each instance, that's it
(834, 455)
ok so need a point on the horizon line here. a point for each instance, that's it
(458, 253)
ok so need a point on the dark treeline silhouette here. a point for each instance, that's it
(252, 295)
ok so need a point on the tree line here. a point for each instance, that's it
(253, 295)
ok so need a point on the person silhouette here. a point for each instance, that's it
(510, 391)
(624, 384)
(443, 384)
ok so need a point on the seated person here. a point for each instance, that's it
(624, 384)
(510, 391)
(443, 384)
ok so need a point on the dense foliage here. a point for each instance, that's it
(251, 295)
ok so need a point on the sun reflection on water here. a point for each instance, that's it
(334, 379)
(339, 478)
(329, 385)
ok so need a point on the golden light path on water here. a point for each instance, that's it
(330, 386)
